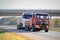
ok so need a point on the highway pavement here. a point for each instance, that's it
(40, 35)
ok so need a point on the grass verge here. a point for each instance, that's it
(55, 29)
(5, 35)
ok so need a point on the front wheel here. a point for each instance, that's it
(46, 30)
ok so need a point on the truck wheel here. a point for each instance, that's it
(33, 28)
(18, 27)
(28, 28)
(46, 30)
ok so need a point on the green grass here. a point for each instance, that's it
(55, 29)
(3, 31)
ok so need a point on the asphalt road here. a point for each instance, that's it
(41, 35)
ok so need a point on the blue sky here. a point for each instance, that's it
(29, 4)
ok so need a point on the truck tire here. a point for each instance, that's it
(27, 28)
(46, 30)
(18, 27)
(33, 28)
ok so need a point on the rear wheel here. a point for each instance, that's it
(33, 28)
(27, 28)
(37, 29)
(18, 27)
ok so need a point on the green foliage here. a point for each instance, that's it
(56, 22)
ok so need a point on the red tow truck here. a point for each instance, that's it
(40, 22)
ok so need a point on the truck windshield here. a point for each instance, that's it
(43, 16)
(26, 16)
